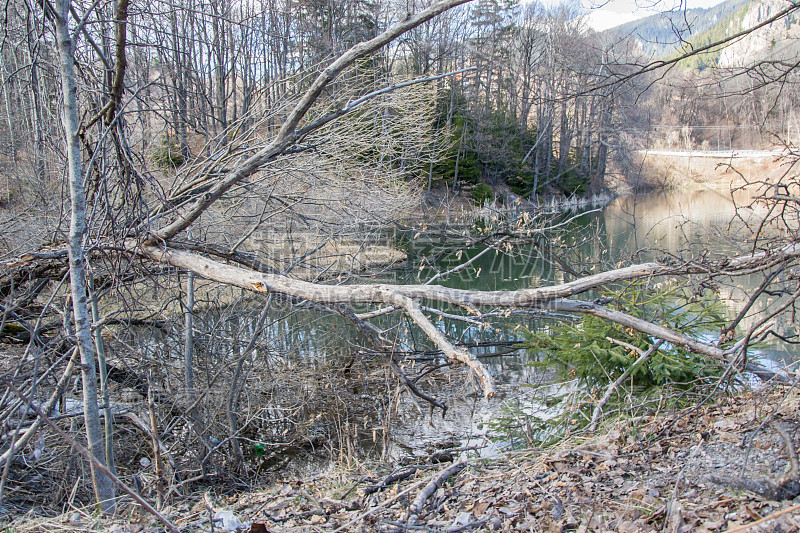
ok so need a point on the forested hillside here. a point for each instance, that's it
(663, 34)
(202, 77)
(522, 119)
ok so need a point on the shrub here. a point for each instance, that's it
(597, 352)
(592, 353)
(482, 193)
(168, 155)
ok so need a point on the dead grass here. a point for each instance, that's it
(645, 474)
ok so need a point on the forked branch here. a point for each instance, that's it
(407, 297)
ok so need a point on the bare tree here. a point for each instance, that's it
(104, 490)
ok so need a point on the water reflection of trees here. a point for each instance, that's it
(702, 225)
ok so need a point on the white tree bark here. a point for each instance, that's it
(103, 487)
(468, 299)
(549, 298)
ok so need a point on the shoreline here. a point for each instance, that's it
(666, 169)
(646, 473)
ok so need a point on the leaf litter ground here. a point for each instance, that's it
(645, 474)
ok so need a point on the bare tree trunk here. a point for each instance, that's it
(218, 51)
(6, 81)
(103, 487)
(458, 156)
(188, 345)
(36, 114)
(564, 140)
(195, 413)
(179, 110)
(108, 416)
(151, 407)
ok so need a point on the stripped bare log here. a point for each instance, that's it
(453, 353)
(546, 298)
(532, 297)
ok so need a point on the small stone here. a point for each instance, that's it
(730, 516)
(75, 519)
(495, 524)
(144, 462)
(461, 519)
(228, 521)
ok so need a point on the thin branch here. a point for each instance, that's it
(367, 97)
(97, 463)
(419, 502)
(656, 65)
(643, 356)
(287, 135)
(31, 431)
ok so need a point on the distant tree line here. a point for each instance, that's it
(196, 73)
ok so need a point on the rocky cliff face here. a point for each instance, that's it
(775, 41)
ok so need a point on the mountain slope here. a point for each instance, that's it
(663, 34)
(667, 34)
(776, 41)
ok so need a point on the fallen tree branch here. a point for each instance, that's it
(419, 502)
(534, 297)
(661, 332)
(453, 353)
(767, 518)
(48, 406)
(543, 298)
(391, 479)
(359, 518)
(643, 356)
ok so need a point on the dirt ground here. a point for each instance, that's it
(646, 474)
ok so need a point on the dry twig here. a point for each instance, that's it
(785, 487)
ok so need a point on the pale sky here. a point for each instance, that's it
(604, 15)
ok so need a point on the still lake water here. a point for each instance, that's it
(630, 229)
(684, 225)
(677, 224)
